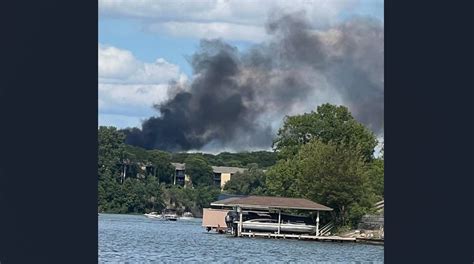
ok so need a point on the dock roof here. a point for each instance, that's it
(271, 202)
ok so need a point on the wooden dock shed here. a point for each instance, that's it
(270, 203)
(214, 219)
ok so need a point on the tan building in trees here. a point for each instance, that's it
(224, 174)
(221, 174)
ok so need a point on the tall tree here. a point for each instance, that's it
(337, 176)
(154, 200)
(376, 176)
(161, 161)
(204, 195)
(251, 181)
(190, 199)
(199, 171)
(330, 123)
(110, 151)
(110, 155)
(329, 173)
(282, 178)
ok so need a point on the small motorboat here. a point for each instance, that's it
(187, 216)
(169, 215)
(154, 215)
(271, 225)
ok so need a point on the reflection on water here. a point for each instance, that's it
(137, 239)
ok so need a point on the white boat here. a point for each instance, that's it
(271, 225)
(187, 216)
(154, 215)
(170, 215)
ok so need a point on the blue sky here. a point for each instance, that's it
(147, 46)
(144, 44)
(127, 34)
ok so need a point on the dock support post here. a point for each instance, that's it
(279, 221)
(317, 223)
(239, 210)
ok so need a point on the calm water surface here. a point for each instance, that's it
(137, 239)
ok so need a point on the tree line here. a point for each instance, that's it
(136, 180)
(325, 156)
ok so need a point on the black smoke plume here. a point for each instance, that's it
(238, 99)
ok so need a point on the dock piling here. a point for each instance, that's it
(279, 221)
(317, 223)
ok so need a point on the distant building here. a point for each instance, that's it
(221, 174)
(224, 174)
(147, 168)
(180, 177)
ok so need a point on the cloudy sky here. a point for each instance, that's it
(145, 44)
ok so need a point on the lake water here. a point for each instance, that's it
(137, 239)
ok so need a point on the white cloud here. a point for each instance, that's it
(228, 19)
(248, 12)
(115, 63)
(130, 99)
(211, 30)
(130, 87)
(120, 66)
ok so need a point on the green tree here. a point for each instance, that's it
(336, 175)
(233, 163)
(136, 153)
(205, 195)
(134, 200)
(135, 195)
(154, 200)
(330, 123)
(110, 151)
(328, 173)
(376, 176)
(264, 159)
(199, 171)
(282, 178)
(164, 171)
(190, 199)
(251, 181)
(108, 192)
(110, 156)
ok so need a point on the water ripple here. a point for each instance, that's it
(136, 239)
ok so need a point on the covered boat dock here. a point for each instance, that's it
(275, 204)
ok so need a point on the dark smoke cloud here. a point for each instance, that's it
(235, 98)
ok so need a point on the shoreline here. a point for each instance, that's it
(138, 214)
(370, 241)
